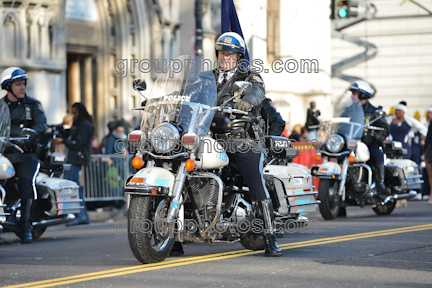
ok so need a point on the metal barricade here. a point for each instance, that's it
(104, 177)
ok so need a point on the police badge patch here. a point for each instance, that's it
(40, 107)
(258, 79)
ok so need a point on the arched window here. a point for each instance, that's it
(10, 30)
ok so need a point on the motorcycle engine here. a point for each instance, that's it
(357, 179)
(205, 191)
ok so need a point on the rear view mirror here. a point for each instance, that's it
(139, 84)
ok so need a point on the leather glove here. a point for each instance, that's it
(244, 105)
(23, 144)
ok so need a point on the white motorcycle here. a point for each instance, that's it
(345, 177)
(57, 199)
(187, 192)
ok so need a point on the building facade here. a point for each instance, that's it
(276, 31)
(402, 68)
(90, 50)
(87, 51)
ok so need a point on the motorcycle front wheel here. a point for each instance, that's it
(330, 200)
(143, 239)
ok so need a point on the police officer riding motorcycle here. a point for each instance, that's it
(25, 112)
(230, 51)
(373, 138)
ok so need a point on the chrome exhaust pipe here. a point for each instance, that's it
(408, 195)
(52, 222)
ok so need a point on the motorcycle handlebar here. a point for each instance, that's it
(9, 143)
(374, 128)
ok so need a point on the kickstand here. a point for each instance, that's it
(8, 241)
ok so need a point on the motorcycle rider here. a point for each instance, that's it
(230, 49)
(25, 112)
(373, 139)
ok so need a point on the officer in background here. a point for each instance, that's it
(273, 122)
(25, 112)
(373, 139)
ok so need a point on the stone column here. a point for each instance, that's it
(88, 84)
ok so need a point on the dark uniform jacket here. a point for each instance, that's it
(371, 138)
(79, 142)
(28, 114)
(257, 95)
(273, 121)
(311, 120)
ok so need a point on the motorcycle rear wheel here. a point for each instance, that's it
(253, 242)
(330, 202)
(36, 232)
(144, 243)
(385, 209)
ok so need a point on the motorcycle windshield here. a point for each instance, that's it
(4, 125)
(183, 95)
(348, 119)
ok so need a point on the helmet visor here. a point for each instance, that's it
(19, 77)
(227, 47)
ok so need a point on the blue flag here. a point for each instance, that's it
(230, 21)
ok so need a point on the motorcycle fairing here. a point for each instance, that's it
(328, 170)
(151, 178)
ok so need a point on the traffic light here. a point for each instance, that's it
(346, 8)
(352, 8)
(342, 8)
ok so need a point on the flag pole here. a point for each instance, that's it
(198, 28)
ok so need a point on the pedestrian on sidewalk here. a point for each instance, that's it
(78, 151)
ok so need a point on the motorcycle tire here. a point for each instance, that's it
(253, 242)
(330, 202)
(143, 240)
(385, 209)
(36, 232)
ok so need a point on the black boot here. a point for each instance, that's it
(26, 225)
(379, 180)
(177, 249)
(272, 249)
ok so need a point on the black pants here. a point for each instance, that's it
(27, 169)
(250, 165)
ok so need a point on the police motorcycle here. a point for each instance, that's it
(345, 177)
(186, 192)
(57, 199)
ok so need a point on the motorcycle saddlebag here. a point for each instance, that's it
(63, 194)
(296, 186)
(403, 174)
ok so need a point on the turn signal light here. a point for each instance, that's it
(317, 158)
(190, 165)
(351, 159)
(137, 162)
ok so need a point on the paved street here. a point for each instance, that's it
(362, 250)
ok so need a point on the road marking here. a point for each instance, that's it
(212, 257)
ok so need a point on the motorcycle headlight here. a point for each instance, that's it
(164, 137)
(335, 143)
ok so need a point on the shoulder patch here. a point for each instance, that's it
(40, 107)
(272, 105)
(258, 79)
